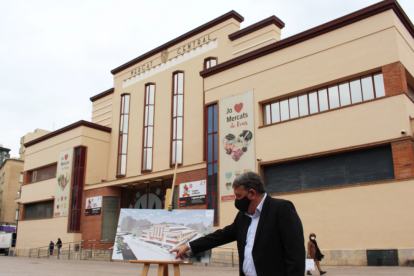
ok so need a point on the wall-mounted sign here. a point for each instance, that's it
(64, 178)
(193, 193)
(236, 140)
(191, 45)
(93, 206)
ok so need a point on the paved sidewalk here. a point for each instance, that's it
(18, 266)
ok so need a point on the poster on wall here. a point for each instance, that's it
(236, 140)
(150, 234)
(93, 206)
(193, 193)
(64, 175)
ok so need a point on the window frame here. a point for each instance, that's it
(316, 90)
(29, 179)
(120, 134)
(175, 117)
(80, 173)
(208, 60)
(146, 170)
(23, 215)
(215, 160)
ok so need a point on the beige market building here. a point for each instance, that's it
(324, 116)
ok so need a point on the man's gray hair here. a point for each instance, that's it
(250, 180)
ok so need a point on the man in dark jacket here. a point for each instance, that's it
(268, 232)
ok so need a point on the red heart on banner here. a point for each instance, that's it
(66, 156)
(238, 107)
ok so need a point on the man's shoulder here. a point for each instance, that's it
(277, 203)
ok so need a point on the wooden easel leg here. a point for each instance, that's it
(161, 269)
(176, 270)
(145, 270)
(166, 270)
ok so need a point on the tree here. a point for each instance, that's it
(119, 244)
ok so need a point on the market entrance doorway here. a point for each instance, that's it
(146, 195)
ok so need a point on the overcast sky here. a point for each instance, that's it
(55, 55)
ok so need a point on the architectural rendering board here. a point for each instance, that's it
(145, 234)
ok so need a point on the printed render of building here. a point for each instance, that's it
(332, 131)
(168, 234)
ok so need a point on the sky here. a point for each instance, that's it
(55, 55)
(175, 216)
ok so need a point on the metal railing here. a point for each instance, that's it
(86, 249)
(79, 250)
(226, 257)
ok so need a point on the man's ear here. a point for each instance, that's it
(254, 193)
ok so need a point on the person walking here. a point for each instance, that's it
(51, 247)
(268, 232)
(315, 253)
(59, 244)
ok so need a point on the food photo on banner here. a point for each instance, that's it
(64, 175)
(150, 234)
(237, 140)
(193, 193)
(93, 206)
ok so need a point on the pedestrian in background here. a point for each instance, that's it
(314, 253)
(59, 245)
(51, 247)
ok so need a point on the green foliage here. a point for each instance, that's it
(119, 244)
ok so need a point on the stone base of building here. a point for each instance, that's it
(229, 257)
(349, 257)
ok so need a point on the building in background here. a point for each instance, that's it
(324, 116)
(11, 178)
(4, 154)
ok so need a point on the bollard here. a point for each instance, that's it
(91, 249)
(232, 258)
(80, 257)
(69, 252)
(38, 253)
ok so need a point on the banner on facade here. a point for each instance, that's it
(64, 178)
(236, 140)
(193, 193)
(93, 206)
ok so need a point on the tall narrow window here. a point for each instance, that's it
(123, 135)
(210, 62)
(212, 156)
(177, 118)
(148, 127)
(77, 189)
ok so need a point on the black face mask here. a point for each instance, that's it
(243, 204)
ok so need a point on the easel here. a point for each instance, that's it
(162, 266)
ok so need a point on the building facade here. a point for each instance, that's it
(324, 116)
(4, 154)
(29, 137)
(11, 178)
